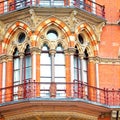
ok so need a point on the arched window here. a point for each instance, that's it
(85, 66)
(45, 71)
(26, 65)
(21, 71)
(60, 71)
(52, 69)
(77, 66)
(16, 72)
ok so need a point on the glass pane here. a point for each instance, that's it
(85, 76)
(59, 2)
(16, 63)
(45, 2)
(52, 35)
(59, 58)
(28, 61)
(44, 87)
(45, 58)
(60, 71)
(79, 63)
(75, 62)
(84, 65)
(17, 76)
(79, 72)
(61, 87)
(28, 73)
(45, 48)
(45, 71)
(19, 4)
(75, 74)
(59, 48)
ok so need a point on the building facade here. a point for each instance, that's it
(59, 60)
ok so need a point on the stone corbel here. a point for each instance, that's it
(73, 20)
(33, 17)
(98, 30)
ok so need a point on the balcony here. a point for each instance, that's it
(88, 6)
(73, 91)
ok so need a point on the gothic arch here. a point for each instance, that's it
(52, 21)
(10, 32)
(84, 27)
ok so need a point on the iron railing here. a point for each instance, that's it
(70, 90)
(89, 6)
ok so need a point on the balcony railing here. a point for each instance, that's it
(73, 90)
(89, 6)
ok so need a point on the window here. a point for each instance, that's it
(21, 37)
(46, 71)
(60, 71)
(27, 65)
(21, 70)
(80, 38)
(77, 66)
(16, 71)
(52, 35)
(80, 75)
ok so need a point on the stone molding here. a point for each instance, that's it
(55, 115)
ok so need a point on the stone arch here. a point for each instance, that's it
(10, 32)
(92, 37)
(53, 21)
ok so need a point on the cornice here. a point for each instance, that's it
(100, 60)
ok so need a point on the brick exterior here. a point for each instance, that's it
(104, 52)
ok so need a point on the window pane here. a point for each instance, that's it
(28, 61)
(59, 58)
(45, 71)
(16, 64)
(75, 74)
(45, 58)
(84, 65)
(17, 76)
(28, 73)
(61, 87)
(85, 76)
(60, 71)
(44, 88)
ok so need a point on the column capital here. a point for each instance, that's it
(9, 57)
(21, 54)
(81, 56)
(35, 50)
(52, 51)
(70, 51)
(3, 58)
(91, 59)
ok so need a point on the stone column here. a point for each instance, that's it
(91, 80)
(21, 54)
(53, 84)
(3, 76)
(36, 70)
(97, 78)
(70, 70)
(9, 79)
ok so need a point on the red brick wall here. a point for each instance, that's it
(109, 45)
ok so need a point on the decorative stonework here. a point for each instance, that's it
(2, 30)
(51, 116)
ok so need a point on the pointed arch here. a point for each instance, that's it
(89, 31)
(58, 23)
(10, 32)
